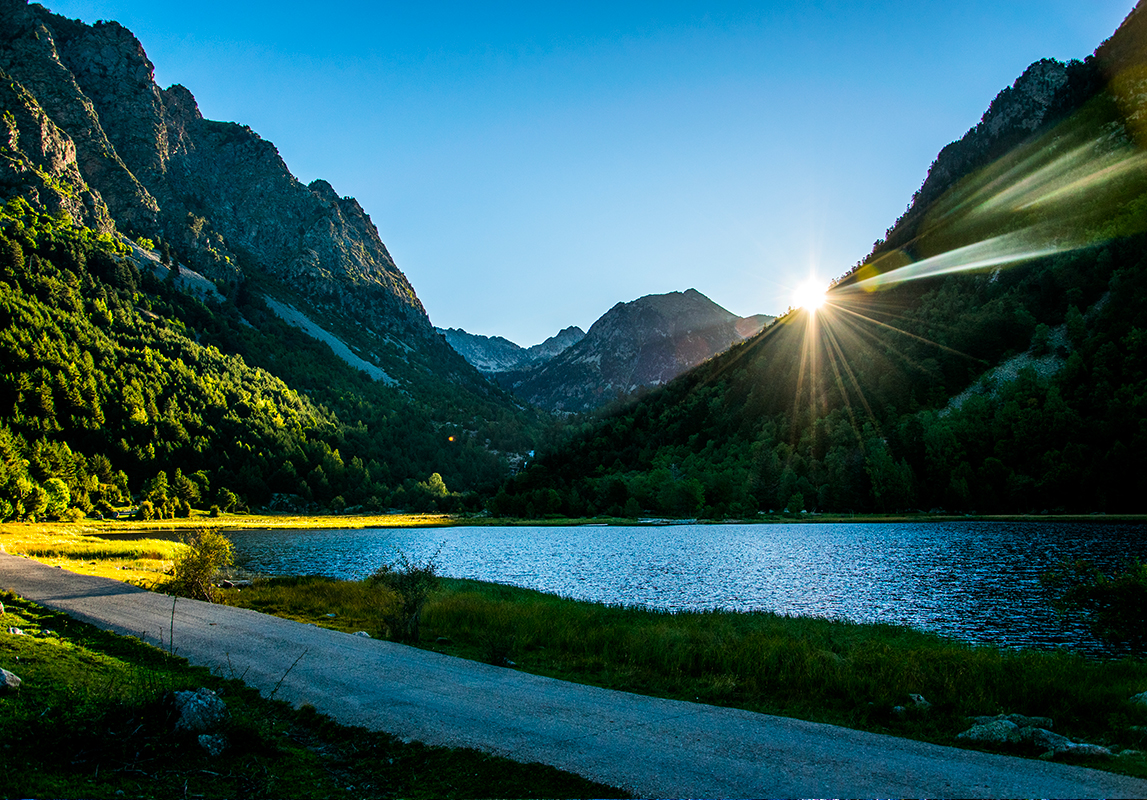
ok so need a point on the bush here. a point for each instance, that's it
(207, 552)
(413, 584)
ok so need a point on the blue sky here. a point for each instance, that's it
(529, 165)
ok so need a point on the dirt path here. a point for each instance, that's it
(651, 747)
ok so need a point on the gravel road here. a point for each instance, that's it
(651, 747)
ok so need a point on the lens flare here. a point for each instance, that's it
(810, 295)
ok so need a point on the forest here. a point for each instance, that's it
(121, 389)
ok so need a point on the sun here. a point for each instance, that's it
(809, 295)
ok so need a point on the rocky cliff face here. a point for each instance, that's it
(645, 343)
(494, 354)
(83, 112)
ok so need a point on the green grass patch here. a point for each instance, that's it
(90, 720)
(822, 670)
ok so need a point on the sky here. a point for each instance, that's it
(530, 165)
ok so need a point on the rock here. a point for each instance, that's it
(332, 616)
(1045, 739)
(1084, 750)
(1130, 753)
(15, 631)
(2, 611)
(1000, 731)
(919, 702)
(213, 743)
(444, 640)
(8, 681)
(200, 711)
(1139, 699)
(364, 634)
(1017, 719)
(899, 710)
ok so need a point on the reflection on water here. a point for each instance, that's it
(978, 581)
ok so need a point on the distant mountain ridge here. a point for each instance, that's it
(493, 354)
(636, 345)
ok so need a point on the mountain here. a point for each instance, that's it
(987, 356)
(493, 354)
(197, 310)
(633, 346)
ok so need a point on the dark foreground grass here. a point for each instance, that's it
(821, 670)
(89, 720)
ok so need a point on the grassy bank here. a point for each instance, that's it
(89, 720)
(860, 676)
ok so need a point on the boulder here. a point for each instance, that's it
(200, 711)
(919, 702)
(15, 631)
(1084, 750)
(1045, 739)
(364, 634)
(1017, 719)
(1000, 731)
(1139, 699)
(213, 743)
(8, 681)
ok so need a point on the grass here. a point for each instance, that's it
(821, 670)
(89, 720)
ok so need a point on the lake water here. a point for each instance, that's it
(978, 581)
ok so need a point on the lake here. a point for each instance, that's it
(977, 581)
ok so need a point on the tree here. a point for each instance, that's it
(59, 498)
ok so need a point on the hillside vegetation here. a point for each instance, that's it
(987, 356)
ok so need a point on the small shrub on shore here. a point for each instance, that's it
(207, 552)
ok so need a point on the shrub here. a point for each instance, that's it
(412, 583)
(206, 553)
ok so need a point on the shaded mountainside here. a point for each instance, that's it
(494, 354)
(259, 335)
(987, 356)
(633, 346)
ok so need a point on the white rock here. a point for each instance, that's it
(8, 681)
(214, 744)
(1000, 731)
(200, 711)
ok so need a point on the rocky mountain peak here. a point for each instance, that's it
(643, 343)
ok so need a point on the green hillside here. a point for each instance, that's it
(118, 384)
(987, 356)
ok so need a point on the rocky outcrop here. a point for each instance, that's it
(82, 107)
(635, 345)
(494, 354)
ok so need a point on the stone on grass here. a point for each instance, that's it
(8, 681)
(1000, 731)
(2, 611)
(213, 743)
(15, 631)
(200, 711)
(1139, 699)
(362, 633)
(1017, 719)
(1084, 750)
(919, 702)
(1045, 739)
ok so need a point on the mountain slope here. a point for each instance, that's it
(1026, 238)
(643, 343)
(228, 243)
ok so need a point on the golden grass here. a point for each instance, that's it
(78, 546)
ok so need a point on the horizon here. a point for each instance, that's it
(530, 168)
